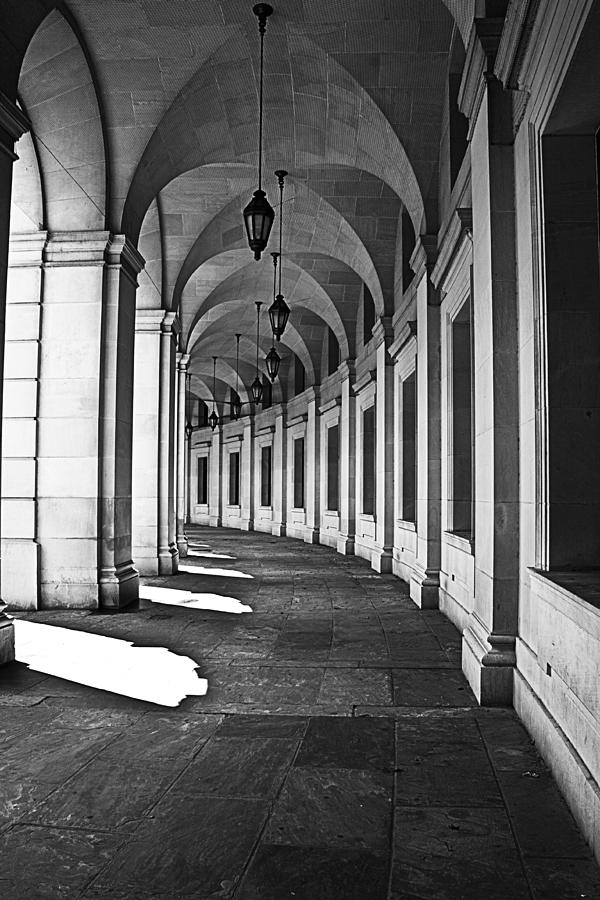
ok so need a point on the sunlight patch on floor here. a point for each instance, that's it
(222, 573)
(191, 600)
(209, 554)
(153, 674)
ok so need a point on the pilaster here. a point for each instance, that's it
(489, 637)
(347, 460)
(424, 585)
(183, 455)
(279, 463)
(382, 559)
(313, 468)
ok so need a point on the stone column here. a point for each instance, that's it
(279, 474)
(20, 546)
(215, 478)
(247, 476)
(13, 123)
(489, 637)
(118, 582)
(313, 469)
(345, 543)
(182, 454)
(382, 559)
(425, 583)
(167, 549)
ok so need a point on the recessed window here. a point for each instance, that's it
(299, 473)
(368, 461)
(409, 456)
(299, 376)
(234, 479)
(368, 315)
(265, 475)
(333, 468)
(462, 432)
(203, 480)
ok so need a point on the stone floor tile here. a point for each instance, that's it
(563, 879)
(508, 744)
(228, 767)
(195, 847)
(423, 688)
(542, 821)
(107, 795)
(46, 863)
(314, 873)
(456, 854)
(348, 743)
(287, 727)
(349, 685)
(333, 807)
(18, 796)
(266, 685)
(164, 737)
(52, 754)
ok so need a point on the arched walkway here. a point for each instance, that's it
(339, 752)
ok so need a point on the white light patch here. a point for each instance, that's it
(153, 674)
(190, 600)
(208, 554)
(223, 573)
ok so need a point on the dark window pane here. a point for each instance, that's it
(203, 479)
(265, 476)
(299, 473)
(333, 467)
(462, 438)
(409, 458)
(234, 479)
(368, 460)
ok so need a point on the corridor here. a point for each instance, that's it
(338, 754)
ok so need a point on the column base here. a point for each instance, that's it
(425, 588)
(168, 561)
(278, 529)
(382, 561)
(247, 525)
(7, 641)
(215, 521)
(119, 587)
(311, 536)
(490, 672)
(182, 545)
(345, 544)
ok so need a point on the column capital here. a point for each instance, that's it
(121, 252)
(383, 331)
(26, 249)
(13, 123)
(347, 369)
(481, 52)
(183, 360)
(424, 255)
(170, 324)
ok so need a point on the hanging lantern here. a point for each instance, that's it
(259, 214)
(236, 408)
(256, 390)
(258, 219)
(279, 313)
(272, 361)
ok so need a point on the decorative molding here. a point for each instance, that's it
(408, 331)
(331, 404)
(481, 54)
(383, 331)
(297, 420)
(76, 248)
(368, 377)
(266, 429)
(121, 252)
(13, 124)
(27, 249)
(460, 228)
(423, 256)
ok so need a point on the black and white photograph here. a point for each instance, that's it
(300, 450)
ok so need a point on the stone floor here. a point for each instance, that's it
(339, 753)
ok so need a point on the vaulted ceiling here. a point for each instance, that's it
(145, 117)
